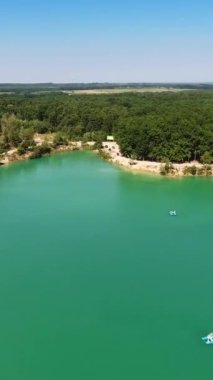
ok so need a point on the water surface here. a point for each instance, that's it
(97, 281)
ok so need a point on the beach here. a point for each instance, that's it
(111, 149)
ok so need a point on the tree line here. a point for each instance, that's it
(176, 127)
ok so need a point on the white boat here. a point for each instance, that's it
(173, 213)
(208, 339)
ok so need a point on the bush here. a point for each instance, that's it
(21, 150)
(193, 170)
(166, 168)
(208, 170)
(40, 151)
(3, 147)
(97, 145)
(104, 155)
(206, 158)
(205, 170)
(201, 171)
(162, 170)
(60, 139)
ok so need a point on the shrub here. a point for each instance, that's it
(40, 151)
(3, 148)
(208, 170)
(104, 155)
(21, 150)
(60, 139)
(97, 145)
(166, 168)
(201, 171)
(162, 169)
(206, 158)
(193, 170)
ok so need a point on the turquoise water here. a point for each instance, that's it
(97, 281)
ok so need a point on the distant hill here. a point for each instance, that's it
(55, 87)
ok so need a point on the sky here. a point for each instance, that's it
(66, 41)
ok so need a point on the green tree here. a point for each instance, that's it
(207, 158)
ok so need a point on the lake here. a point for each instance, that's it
(97, 280)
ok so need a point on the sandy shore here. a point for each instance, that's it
(114, 154)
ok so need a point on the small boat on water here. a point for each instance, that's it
(208, 339)
(172, 213)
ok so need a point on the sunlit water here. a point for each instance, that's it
(97, 281)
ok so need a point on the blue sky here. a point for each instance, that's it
(106, 41)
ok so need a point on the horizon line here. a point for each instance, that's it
(104, 82)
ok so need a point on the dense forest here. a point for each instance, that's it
(176, 127)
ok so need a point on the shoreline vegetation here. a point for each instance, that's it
(167, 133)
(47, 144)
